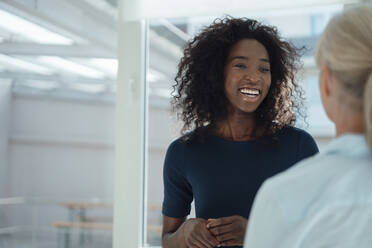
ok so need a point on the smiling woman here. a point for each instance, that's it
(237, 95)
(247, 76)
(202, 95)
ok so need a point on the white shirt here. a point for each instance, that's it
(323, 201)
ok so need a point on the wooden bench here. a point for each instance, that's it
(67, 226)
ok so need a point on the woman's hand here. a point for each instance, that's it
(229, 231)
(197, 235)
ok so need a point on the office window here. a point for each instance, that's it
(57, 105)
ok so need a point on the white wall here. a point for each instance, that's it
(58, 150)
(61, 148)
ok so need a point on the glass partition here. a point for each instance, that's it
(57, 131)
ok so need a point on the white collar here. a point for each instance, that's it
(349, 144)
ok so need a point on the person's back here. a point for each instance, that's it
(342, 211)
(326, 201)
(323, 201)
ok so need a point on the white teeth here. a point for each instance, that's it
(249, 91)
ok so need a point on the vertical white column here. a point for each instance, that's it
(130, 131)
(5, 115)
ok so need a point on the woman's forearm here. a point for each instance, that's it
(175, 239)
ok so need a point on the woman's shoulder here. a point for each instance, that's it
(174, 156)
(294, 133)
(177, 145)
(181, 143)
(293, 130)
(198, 136)
(181, 150)
(304, 143)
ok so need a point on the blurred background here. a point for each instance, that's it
(58, 66)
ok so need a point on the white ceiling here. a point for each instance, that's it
(67, 46)
(142, 9)
(54, 45)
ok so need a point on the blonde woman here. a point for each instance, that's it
(326, 200)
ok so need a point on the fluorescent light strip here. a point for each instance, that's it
(40, 84)
(109, 66)
(69, 66)
(8, 61)
(90, 88)
(30, 30)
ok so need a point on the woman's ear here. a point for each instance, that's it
(326, 87)
(325, 81)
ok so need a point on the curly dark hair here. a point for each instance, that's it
(199, 93)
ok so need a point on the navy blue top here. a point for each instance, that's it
(224, 176)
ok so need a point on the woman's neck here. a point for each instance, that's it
(237, 127)
(349, 122)
(346, 111)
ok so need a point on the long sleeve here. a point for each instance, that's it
(267, 227)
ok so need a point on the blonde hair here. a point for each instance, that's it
(346, 48)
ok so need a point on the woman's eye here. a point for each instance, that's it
(240, 66)
(265, 69)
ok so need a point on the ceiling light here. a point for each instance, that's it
(110, 66)
(69, 66)
(40, 84)
(14, 63)
(30, 30)
(89, 88)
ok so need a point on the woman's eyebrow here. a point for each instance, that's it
(239, 57)
(246, 58)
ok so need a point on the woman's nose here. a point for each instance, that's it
(252, 77)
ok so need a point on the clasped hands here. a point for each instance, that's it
(226, 231)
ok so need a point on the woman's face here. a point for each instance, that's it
(247, 76)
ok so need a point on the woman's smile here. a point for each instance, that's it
(250, 94)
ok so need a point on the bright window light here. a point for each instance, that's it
(309, 62)
(40, 84)
(69, 66)
(88, 88)
(10, 62)
(110, 66)
(155, 76)
(166, 93)
(20, 26)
